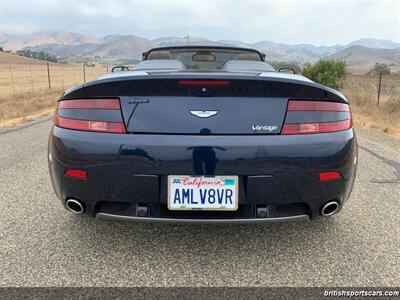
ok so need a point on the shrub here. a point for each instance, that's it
(37, 55)
(327, 72)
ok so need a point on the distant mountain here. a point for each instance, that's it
(10, 58)
(363, 58)
(20, 41)
(117, 48)
(121, 49)
(234, 43)
(114, 49)
(181, 41)
(111, 38)
(375, 43)
(67, 51)
(301, 53)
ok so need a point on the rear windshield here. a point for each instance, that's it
(204, 59)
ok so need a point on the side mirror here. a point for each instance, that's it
(287, 70)
(263, 56)
(119, 69)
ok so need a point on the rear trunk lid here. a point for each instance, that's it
(203, 115)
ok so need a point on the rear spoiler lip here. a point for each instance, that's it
(79, 91)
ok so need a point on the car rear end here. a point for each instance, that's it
(252, 148)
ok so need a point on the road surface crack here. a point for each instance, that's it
(394, 164)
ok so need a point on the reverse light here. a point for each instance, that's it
(329, 176)
(78, 174)
(304, 128)
(84, 125)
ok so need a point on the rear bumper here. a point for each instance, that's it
(279, 173)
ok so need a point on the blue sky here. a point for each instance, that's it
(317, 22)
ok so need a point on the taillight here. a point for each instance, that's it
(100, 115)
(204, 82)
(305, 117)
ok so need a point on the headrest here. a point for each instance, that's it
(248, 56)
(246, 65)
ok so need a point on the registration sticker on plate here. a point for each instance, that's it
(203, 193)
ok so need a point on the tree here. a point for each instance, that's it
(379, 69)
(1, 49)
(327, 72)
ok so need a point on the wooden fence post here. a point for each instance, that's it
(30, 72)
(62, 76)
(84, 73)
(379, 86)
(48, 75)
(12, 80)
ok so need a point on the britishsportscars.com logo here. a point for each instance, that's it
(361, 293)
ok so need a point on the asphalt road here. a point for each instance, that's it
(44, 245)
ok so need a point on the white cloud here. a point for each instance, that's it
(318, 22)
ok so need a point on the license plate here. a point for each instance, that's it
(203, 193)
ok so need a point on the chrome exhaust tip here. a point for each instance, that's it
(330, 208)
(75, 206)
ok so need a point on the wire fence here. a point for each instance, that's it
(372, 89)
(20, 79)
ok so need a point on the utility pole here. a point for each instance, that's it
(188, 39)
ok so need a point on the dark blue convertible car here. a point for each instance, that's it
(203, 134)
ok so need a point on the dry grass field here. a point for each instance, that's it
(25, 92)
(24, 85)
(362, 92)
(20, 79)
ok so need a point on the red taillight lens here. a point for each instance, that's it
(99, 115)
(79, 174)
(306, 117)
(329, 176)
(204, 82)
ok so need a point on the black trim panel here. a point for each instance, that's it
(316, 116)
(106, 115)
(299, 218)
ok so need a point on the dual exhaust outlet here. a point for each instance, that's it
(75, 206)
(328, 209)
